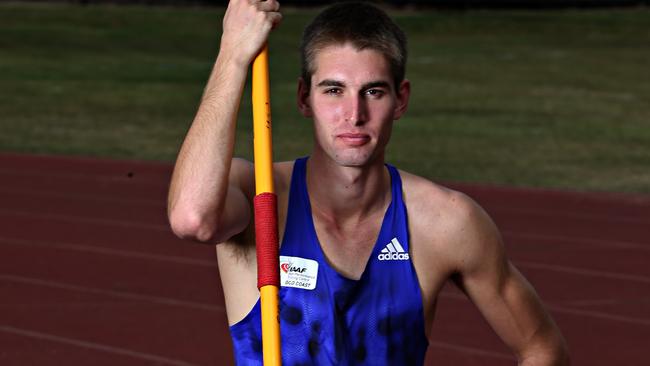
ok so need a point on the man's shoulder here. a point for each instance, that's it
(243, 173)
(440, 213)
(430, 199)
(282, 172)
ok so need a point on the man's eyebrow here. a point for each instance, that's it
(330, 82)
(375, 84)
(369, 85)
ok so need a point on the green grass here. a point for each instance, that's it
(555, 99)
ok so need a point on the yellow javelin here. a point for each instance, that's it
(265, 205)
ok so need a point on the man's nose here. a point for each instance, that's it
(357, 110)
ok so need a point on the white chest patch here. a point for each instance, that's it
(298, 272)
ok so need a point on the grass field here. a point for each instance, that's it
(547, 98)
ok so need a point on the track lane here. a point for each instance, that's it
(141, 289)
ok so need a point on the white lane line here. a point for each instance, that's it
(94, 346)
(599, 315)
(142, 178)
(584, 272)
(606, 302)
(568, 310)
(609, 217)
(554, 239)
(98, 197)
(107, 251)
(122, 294)
(86, 220)
(471, 350)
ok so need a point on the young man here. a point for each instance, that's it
(370, 274)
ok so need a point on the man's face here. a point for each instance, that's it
(353, 102)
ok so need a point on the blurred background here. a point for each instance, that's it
(546, 94)
(521, 93)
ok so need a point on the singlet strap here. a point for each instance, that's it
(399, 214)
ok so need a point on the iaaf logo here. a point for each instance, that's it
(287, 267)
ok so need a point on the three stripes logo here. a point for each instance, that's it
(393, 252)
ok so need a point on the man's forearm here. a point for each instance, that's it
(200, 179)
(552, 352)
(546, 360)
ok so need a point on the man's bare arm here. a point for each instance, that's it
(504, 297)
(207, 199)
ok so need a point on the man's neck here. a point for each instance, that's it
(347, 194)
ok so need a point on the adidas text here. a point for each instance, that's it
(393, 256)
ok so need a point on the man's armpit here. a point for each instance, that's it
(242, 245)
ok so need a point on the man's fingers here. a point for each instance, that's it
(268, 5)
(271, 9)
(276, 18)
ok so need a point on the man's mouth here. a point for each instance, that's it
(354, 139)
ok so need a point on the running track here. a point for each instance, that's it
(90, 273)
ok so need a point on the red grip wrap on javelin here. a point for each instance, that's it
(266, 239)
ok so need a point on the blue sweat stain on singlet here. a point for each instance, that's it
(376, 320)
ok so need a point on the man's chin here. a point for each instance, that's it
(353, 161)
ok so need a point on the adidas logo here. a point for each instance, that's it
(393, 252)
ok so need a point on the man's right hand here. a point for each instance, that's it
(246, 27)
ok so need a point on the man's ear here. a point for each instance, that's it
(303, 99)
(403, 94)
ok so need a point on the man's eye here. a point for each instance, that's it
(333, 91)
(375, 92)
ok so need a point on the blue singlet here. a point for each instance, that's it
(376, 320)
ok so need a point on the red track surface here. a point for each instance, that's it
(90, 274)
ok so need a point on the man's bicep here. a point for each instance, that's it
(510, 305)
(237, 210)
(503, 296)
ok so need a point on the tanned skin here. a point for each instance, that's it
(353, 104)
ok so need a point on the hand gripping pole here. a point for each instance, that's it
(265, 207)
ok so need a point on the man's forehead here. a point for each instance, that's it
(348, 65)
